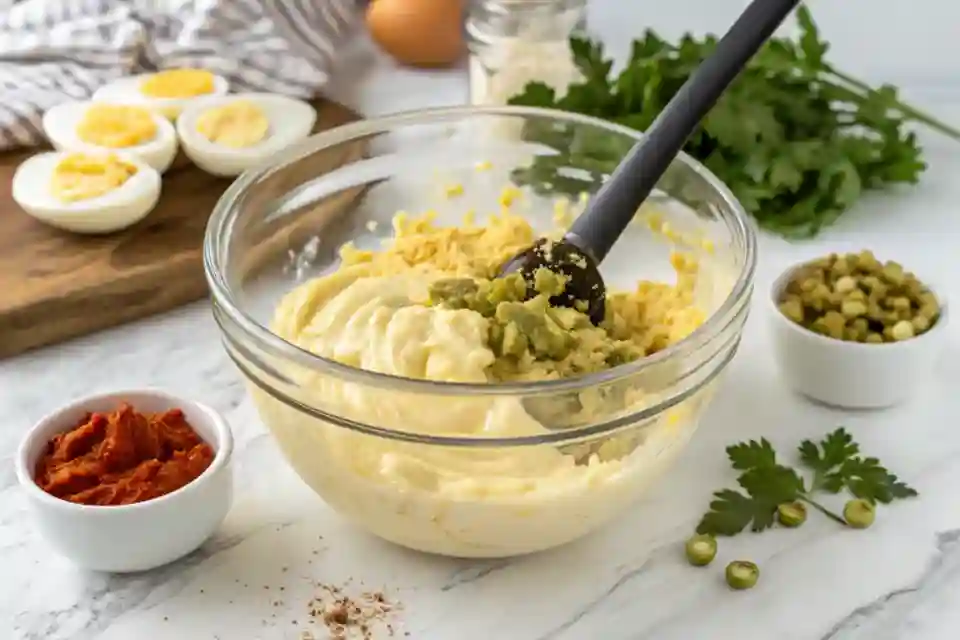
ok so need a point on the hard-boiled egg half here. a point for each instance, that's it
(166, 92)
(131, 129)
(86, 192)
(226, 136)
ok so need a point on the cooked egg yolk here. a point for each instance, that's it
(237, 124)
(178, 83)
(81, 177)
(116, 126)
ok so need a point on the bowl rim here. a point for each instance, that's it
(222, 454)
(860, 347)
(222, 220)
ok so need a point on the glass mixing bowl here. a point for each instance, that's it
(556, 459)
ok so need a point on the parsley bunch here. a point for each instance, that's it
(766, 484)
(796, 140)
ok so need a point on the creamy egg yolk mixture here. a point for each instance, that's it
(651, 317)
(374, 313)
(178, 83)
(81, 177)
(237, 124)
(116, 126)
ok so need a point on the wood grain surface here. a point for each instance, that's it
(55, 285)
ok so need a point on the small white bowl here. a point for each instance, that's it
(140, 536)
(851, 375)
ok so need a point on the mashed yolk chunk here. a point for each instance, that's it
(116, 126)
(178, 83)
(237, 125)
(81, 177)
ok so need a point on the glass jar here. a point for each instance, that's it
(514, 42)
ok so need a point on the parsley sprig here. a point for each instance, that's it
(795, 139)
(765, 483)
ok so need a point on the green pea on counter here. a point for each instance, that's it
(859, 513)
(700, 550)
(742, 574)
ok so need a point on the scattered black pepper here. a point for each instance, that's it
(347, 616)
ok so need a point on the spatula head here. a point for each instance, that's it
(585, 289)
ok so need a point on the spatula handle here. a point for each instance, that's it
(615, 204)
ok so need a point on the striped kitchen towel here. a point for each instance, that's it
(52, 52)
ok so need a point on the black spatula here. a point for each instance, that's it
(583, 248)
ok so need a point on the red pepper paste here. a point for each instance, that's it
(122, 458)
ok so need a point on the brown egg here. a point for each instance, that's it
(421, 33)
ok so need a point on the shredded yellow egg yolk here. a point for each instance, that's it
(81, 177)
(470, 250)
(236, 125)
(178, 83)
(651, 317)
(116, 126)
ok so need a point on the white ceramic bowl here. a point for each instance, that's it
(851, 375)
(139, 536)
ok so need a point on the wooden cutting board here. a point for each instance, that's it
(56, 285)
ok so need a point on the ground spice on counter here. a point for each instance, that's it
(347, 616)
(122, 458)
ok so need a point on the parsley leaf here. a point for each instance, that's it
(766, 483)
(865, 478)
(836, 465)
(730, 513)
(772, 485)
(835, 449)
(797, 141)
(752, 454)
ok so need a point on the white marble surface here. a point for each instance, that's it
(901, 579)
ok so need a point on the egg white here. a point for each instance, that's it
(291, 120)
(115, 210)
(60, 126)
(127, 91)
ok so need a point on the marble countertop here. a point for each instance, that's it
(254, 579)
